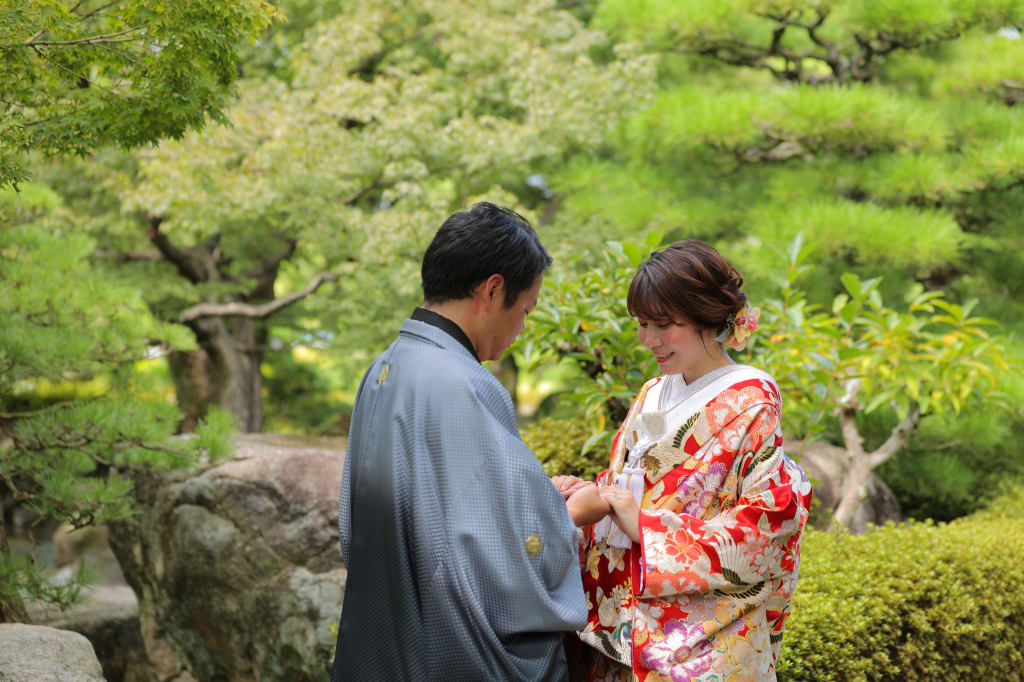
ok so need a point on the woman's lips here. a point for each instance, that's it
(663, 358)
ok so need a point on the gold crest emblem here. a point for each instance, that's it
(533, 545)
(383, 374)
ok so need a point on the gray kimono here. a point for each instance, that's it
(462, 559)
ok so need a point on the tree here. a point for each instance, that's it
(71, 425)
(76, 76)
(394, 115)
(930, 357)
(884, 132)
(887, 133)
(79, 75)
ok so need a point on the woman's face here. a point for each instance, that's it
(678, 347)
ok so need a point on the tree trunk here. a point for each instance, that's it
(225, 371)
(12, 609)
(855, 484)
(853, 490)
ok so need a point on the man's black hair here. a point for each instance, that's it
(473, 245)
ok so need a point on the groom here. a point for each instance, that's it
(462, 559)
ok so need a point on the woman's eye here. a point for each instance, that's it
(665, 326)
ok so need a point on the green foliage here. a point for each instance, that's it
(581, 318)
(881, 131)
(387, 117)
(913, 602)
(559, 444)
(952, 467)
(931, 355)
(78, 76)
(70, 424)
(300, 395)
(48, 287)
(739, 31)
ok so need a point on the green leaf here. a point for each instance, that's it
(852, 283)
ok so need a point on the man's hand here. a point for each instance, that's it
(586, 506)
(567, 485)
(625, 512)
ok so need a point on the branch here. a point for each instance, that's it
(368, 64)
(352, 198)
(29, 124)
(267, 272)
(126, 256)
(901, 434)
(81, 78)
(92, 40)
(186, 266)
(98, 10)
(42, 410)
(253, 311)
(847, 419)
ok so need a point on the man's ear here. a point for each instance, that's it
(490, 292)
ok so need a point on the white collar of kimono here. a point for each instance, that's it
(657, 418)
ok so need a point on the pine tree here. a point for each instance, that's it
(76, 76)
(885, 132)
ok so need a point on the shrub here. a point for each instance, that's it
(920, 601)
(558, 442)
(953, 467)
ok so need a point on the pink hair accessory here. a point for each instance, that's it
(744, 322)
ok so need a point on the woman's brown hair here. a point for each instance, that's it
(688, 281)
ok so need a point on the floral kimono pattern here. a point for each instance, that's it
(706, 593)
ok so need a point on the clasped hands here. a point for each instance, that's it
(588, 503)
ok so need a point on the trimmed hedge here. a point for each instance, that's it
(918, 601)
(557, 443)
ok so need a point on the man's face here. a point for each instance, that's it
(505, 324)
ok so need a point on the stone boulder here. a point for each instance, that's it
(237, 566)
(826, 464)
(36, 653)
(108, 617)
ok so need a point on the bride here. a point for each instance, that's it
(691, 536)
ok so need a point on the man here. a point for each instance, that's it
(462, 559)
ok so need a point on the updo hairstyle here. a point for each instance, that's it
(687, 282)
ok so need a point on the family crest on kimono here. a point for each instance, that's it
(691, 538)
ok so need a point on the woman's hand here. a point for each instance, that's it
(567, 485)
(586, 505)
(625, 512)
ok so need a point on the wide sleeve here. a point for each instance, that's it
(515, 544)
(754, 539)
(345, 494)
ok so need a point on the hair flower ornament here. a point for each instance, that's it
(739, 327)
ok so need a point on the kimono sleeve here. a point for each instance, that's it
(516, 546)
(345, 494)
(753, 540)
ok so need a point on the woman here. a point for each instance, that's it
(690, 576)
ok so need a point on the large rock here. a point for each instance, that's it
(36, 653)
(237, 567)
(826, 464)
(108, 617)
